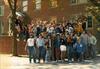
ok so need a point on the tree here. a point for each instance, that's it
(12, 5)
(94, 9)
(95, 2)
(96, 12)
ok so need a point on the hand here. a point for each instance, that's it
(25, 48)
(37, 46)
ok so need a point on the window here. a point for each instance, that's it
(82, 1)
(53, 19)
(25, 5)
(38, 4)
(1, 28)
(90, 21)
(1, 10)
(54, 3)
(75, 2)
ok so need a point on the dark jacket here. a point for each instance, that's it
(57, 42)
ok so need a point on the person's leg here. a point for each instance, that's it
(80, 56)
(85, 51)
(30, 54)
(43, 53)
(57, 53)
(62, 55)
(70, 53)
(39, 54)
(75, 56)
(46, 57)
(49, 57)
(89, 51)
(52, 53)
(81, 59)
(93, 51)
(34, 54)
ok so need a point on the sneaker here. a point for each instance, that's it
(41, 61)
(37, 61)
(57, 61)
(46, 61)
(69, 61)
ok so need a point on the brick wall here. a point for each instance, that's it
(21, 48)
(6, 43)
(64, 9)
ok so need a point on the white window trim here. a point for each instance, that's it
(73, 3)
(2, 10)
(52, 6)
(38, 4)
(78, 2)
(25, 7)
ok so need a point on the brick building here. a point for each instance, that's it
(4, 12)
(42, 9)
(55, 9)
(51, 10)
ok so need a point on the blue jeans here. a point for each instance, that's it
(32, 53)
(92, 51)
(85, 48)
(42, 53)
(48, 55)
(70, 52)
(80, 56)
(85, 51)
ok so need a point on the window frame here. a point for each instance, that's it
(38, 4)
(2, 10)
(52, 5)
(25, 7)
(78, 2)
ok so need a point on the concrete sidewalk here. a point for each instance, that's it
(11, 62)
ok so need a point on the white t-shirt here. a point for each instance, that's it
(30, 42)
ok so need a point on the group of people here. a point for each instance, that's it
(59, 41)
